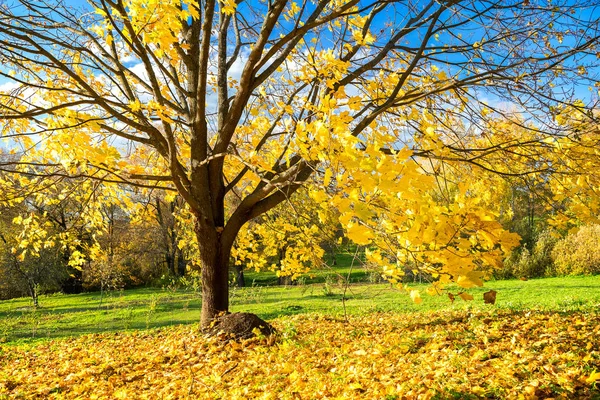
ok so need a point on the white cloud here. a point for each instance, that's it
(8, 86)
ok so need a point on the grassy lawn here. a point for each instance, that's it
(348, 267)
(73, 315)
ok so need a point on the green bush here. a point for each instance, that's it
(579, 252)
(531, 264)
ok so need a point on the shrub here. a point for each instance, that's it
(531, 264)
(579, 252)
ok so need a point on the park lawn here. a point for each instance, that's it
(73, 315)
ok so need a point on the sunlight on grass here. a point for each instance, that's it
(72, 315)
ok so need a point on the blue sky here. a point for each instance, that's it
(581, 88)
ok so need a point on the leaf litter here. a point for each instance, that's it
(437, 355)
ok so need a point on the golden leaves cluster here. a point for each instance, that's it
(411, 213)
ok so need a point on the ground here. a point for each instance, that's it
(481, 354)
(365, 341)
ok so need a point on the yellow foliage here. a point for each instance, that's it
(579, 252)
(431, 355)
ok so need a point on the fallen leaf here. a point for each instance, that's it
(465, 296)
(489, 297)
(594, 376)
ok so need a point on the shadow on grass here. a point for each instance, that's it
(31, 334)
(320, 276)
(114, 314)
(162, 305)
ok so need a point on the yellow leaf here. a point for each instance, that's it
(489, 297)
(355, 103)
(465, 296)
(327, 177)
(416, 296)
(470, 279)
(594, 376)
(359, 234)
(135, 105)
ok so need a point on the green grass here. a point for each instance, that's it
(72, 315)
(348, 267)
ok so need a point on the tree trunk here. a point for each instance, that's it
(170, 263)
(33, 292)
(181, 263)
(36, 302)
(285, 280)
(214, 259)
(240, 281)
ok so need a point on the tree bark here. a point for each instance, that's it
(214, 260)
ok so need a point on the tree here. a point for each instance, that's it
(106, 267)
(166, 217)
(578, 252)
(51, 237)
(576, 189)
(248, 100)
(30, 272)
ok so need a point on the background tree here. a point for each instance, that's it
(166, 215)
(250, 99)
(28, 272)
(111, 253)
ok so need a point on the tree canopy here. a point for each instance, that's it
(396, 112)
